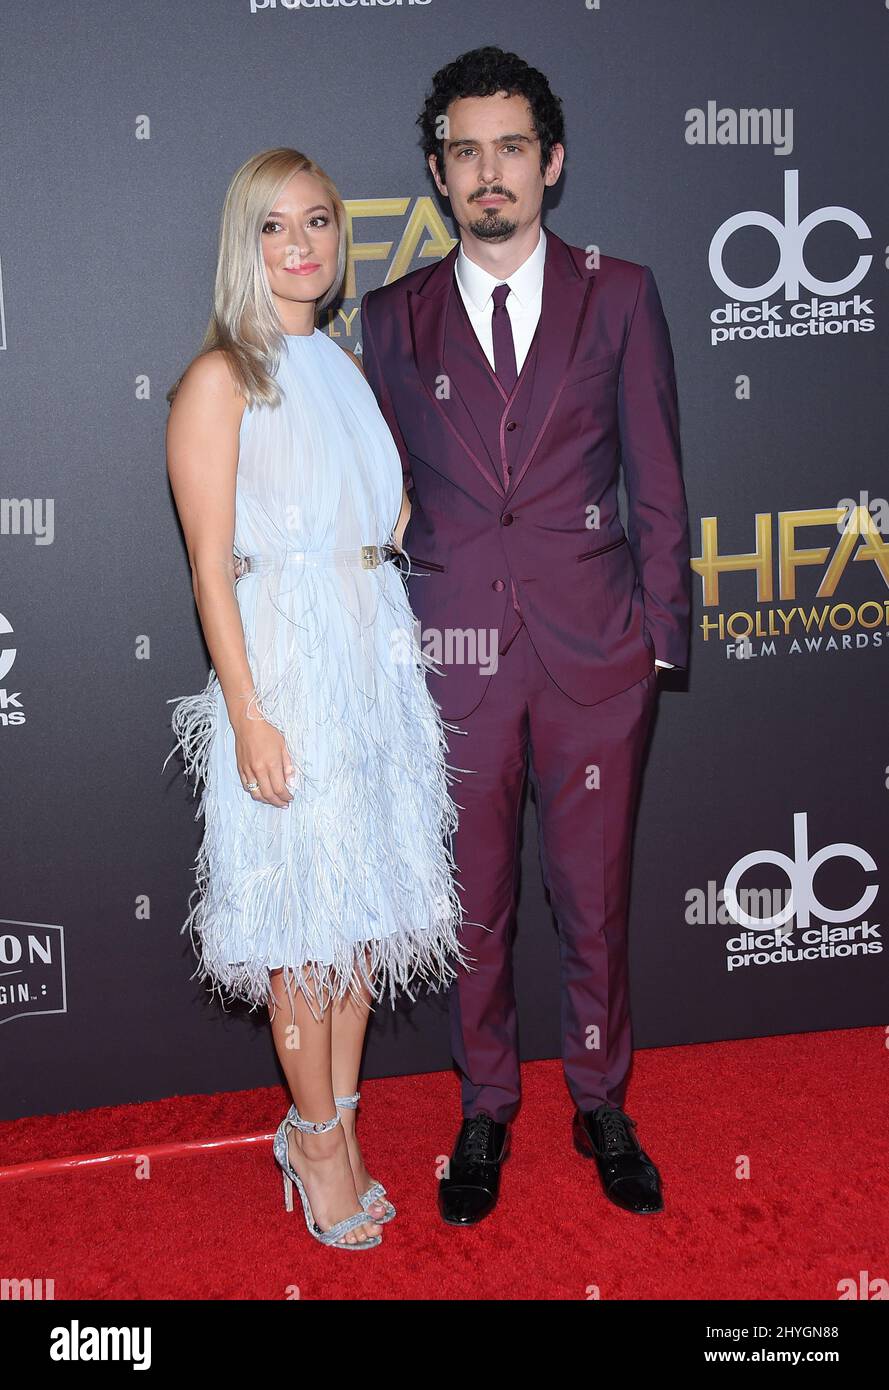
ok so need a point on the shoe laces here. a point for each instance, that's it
(475, 1145)
(616, 1132)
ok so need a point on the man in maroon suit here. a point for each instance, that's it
(516, 375)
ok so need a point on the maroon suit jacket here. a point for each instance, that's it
(598, 604)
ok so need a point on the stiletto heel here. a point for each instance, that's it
(376, 1192)
(292, 1179)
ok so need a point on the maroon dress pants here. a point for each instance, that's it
(584, 762)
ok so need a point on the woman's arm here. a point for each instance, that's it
(404, 517)
(202, 461)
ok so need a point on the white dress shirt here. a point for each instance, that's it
(523, 303)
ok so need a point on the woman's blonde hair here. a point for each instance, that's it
(244, 322)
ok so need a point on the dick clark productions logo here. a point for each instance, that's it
(822, 314)
(778, 938)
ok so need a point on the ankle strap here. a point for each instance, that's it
(310, 1126)
(347, 1102)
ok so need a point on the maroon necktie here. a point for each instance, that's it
(505, 367)
(504, 347)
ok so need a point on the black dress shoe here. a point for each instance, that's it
(470, 1190)
(629, 1177)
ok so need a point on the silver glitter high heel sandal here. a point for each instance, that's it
(336, 1233)
(376, 1192)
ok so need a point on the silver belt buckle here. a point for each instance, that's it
(370, 557)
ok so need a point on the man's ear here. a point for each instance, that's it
(554, 168)
(442, 188)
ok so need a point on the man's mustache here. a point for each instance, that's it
(497, 191)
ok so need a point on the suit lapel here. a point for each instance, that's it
(427, 310)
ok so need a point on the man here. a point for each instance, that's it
(516, 374)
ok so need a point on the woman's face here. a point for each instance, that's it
(300, 243)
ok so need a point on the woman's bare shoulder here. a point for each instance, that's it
(211, 376)
(355, 359)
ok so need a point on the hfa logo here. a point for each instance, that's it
(765, 618)
(822, 314)
(790, 934)
(420, 235)
(32, 970)
(424, 236)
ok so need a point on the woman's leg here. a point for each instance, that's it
(303, 1045)
(348, 1027)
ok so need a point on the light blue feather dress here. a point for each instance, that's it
(357, 874)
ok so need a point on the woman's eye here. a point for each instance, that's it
(321, 219)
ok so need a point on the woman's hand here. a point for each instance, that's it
(262, 756)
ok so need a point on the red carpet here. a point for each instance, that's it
(808, 1111)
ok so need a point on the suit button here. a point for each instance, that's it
(498, 586)
(511, 425)
(509, 468)
(506, 519)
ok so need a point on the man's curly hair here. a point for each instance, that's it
(483, 72)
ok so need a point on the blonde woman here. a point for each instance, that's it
(325, 874)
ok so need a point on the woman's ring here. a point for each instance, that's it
(252, 787)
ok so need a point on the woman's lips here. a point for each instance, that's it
(308, 269)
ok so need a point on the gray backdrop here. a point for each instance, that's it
(123, 126)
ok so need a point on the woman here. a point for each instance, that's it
(324, 878)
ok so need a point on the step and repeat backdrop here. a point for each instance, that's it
(736, 149)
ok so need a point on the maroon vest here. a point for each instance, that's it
(498, 418)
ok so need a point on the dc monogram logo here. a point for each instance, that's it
(791, 235)
(800, 871)
(7, 654)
